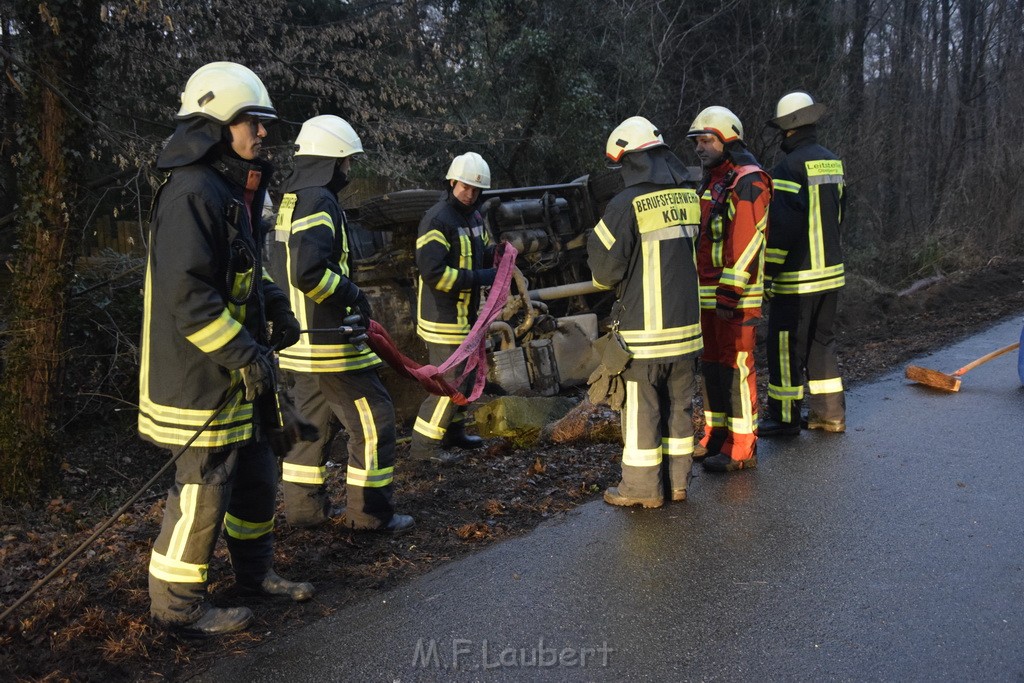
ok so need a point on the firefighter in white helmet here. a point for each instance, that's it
(454, 255)
(643, 249)
(204, 333)
(329, 375)
(805, 268)
(735, 194)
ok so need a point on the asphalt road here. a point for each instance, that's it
(893, 552)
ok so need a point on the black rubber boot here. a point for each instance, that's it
(772, 427)
(723, 463)
(216, 621)
(456, 437)
(274, 586)
(613, 497)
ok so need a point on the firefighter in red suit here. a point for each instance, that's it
(735, 194)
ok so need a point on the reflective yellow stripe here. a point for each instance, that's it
(785, 394)
(432, 429)
(303, 474)
(668, 334)
(744, 424)
(370, 478)
(175, 571)
(188, 502)
(327, 286)
(245, 531)
(667, 350)
(604, 234)
(216, 334)
(599, 285)
(773, 255)
(632, 454)
(677, 446)
(313, 220)
(786, 186)
(826, 386)
(369, 433)
(714, 419)
(650, 253)
(327, 358)
(786, 370)
(812, 274)
(447, 280)
(433, 236)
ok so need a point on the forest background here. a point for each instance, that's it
(926, 103)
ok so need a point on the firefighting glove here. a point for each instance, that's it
(292, 427)
(484, 277)
(362, 307)
(353, 331)
(284, 329)
(607, 388)
(258, 376)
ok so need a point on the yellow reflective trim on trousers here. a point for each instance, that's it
(371, 479)
(786, 370)
(432, 429)
(745, 423)
(188, 502)
(433, 236)
(246, 531)
(785, 394)
(809, 287)
(714, 418)
(326, 287)
(676, 447)
(785, 186)
(826, 386)
(650, 252)
(303, 474)
(632, 454)
(175, 571)
(216, 334)
(369, 433)
(447, 280)
(604, 234)
(812, 274)
(313, 220)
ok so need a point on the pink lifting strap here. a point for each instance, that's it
(472, 350)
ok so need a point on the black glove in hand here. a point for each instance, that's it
(294, 427)
(362, 307)
(284, 330)
(258, 377)
(355, 331)
(485, 277)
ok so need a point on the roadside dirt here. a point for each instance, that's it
(91, 623)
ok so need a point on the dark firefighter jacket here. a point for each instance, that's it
(451, 244)
(730, 255)
(805, 253)
(644, 247)
(310, 251)
(204, 293)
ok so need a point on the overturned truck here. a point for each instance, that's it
(543, 341)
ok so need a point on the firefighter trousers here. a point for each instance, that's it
(657, 428)
(438, 413)
(730, 385)
(234, 489)
(362, 404)
(802, 349)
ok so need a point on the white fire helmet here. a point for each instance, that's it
(632, 135)
(796, 109)
(717, 121)
(328, 136)
(471, 169)
(220, 91)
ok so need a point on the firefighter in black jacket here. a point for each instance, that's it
(330, 375)
(644, 248)
(206, 305)
(453, 249)
(804, 265)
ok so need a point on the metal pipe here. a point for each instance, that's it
(563, 291)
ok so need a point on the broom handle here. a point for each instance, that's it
(986, 358)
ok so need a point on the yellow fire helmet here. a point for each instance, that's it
(632, 135)
(796, 109)
(220, 91)
(328, 136)
(717, 121)
(471, 169)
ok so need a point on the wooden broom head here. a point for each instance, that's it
(933, 378)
